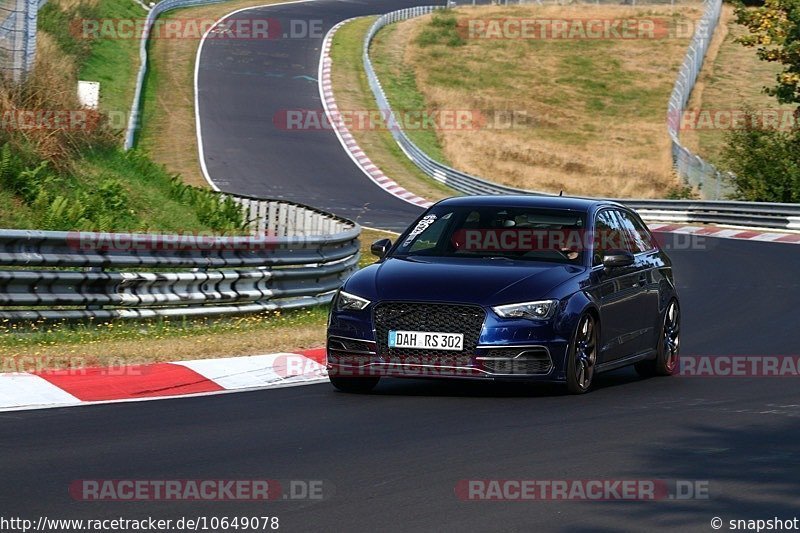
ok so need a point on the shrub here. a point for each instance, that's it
(442, 29)
(219, 212)
(765, 163)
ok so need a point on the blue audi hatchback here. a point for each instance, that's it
(509, 288)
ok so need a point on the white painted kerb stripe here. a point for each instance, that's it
(258, 370)
(23, 389)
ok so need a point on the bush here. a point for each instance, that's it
(442, 29)
(218, 212)
(57, 204)
(49, 91)
(765, 164)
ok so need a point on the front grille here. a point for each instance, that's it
(444, 318)
(518, 361)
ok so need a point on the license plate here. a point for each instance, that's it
(426, 340)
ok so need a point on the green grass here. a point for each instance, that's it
(114, 62)
(156, 82)
(442, 30)
(109, 190)
(111, 61)
(149, 188)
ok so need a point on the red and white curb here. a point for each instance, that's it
(65, 388)
(343, 133)
(726, 233)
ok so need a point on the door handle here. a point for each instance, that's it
(642, 279)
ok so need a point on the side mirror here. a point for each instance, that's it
(380, 247)
(617, 259)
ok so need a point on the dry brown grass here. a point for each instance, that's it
(168, 134)
(50, 88)
(116, 352)
(596, 109)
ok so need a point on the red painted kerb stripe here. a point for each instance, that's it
(137, 381)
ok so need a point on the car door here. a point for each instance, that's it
(618, 291)
(647, 262)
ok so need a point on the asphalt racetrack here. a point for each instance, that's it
(245, 89)
(390, 461)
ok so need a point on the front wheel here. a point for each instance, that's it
(582, 356)
(355, 385)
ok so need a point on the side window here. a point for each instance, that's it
(608, 235)
(637, 235)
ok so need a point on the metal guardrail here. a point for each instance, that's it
(152, 15)
(295, 256)
(765, 215)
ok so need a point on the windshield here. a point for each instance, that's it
(519, 233)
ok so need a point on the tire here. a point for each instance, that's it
(355, 385)
(668, 347)
(669, 343)
(582, 355)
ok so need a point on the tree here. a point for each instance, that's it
(775, 30)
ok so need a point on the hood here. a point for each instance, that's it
(468, 280)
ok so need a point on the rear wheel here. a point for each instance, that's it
(582, 356)
(668, 347)
(355, 385)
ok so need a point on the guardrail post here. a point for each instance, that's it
(94, 270)
(282, 230)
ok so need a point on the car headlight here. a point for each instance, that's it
(350, 302)
(541, 310)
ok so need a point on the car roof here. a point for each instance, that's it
(541, 201)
